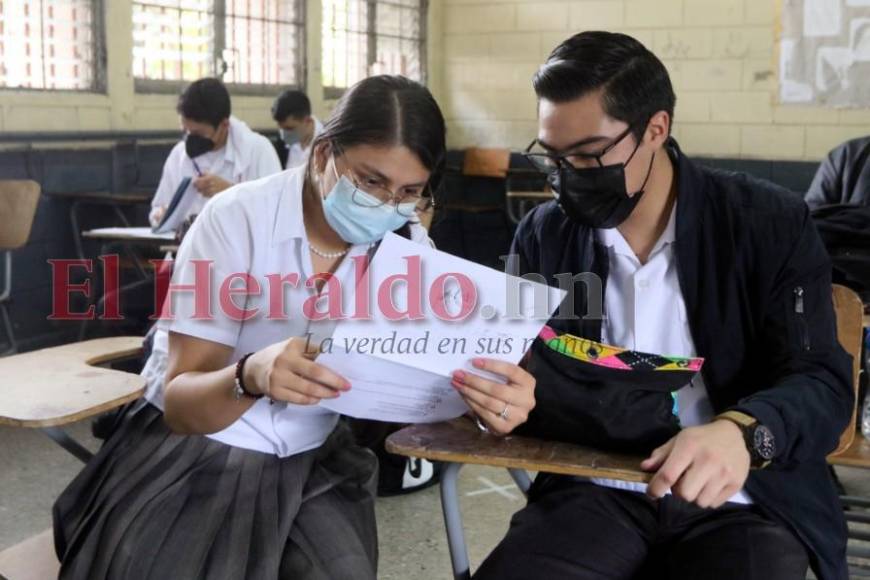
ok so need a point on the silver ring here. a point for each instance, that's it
(504, 413)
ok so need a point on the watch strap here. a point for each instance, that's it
(741, 419)
(746, 423)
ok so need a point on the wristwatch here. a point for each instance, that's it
(759, 439)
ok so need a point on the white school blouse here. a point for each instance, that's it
(645, 311)
(257, 228)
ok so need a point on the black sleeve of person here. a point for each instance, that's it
(810, 398)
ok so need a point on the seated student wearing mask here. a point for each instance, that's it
(245, 476)
(692, 262)
(217, 152)
(297, 127)
(843, 177)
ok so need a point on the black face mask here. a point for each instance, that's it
(196, 145)
(596, 196)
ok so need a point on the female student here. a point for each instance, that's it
(244, 475)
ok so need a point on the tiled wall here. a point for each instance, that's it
(721, 55)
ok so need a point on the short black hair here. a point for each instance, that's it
(635, 84)
(205, 101)
(291, 103)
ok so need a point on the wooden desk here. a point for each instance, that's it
(126, 238)
(113, 200)
(55, 386)
(460, 441)
(542, 195)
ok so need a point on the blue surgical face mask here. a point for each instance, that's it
(356, 223)
(290, 137)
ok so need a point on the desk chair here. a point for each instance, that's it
(526, 188)
(480, 162)
(459, 441)
(52, 387)
(18, 201)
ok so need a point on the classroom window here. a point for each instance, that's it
(254, 44)
(51, 44)
(366, 37)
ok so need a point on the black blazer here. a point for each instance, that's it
(756, 281)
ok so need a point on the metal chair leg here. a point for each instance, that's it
(522, 479)
(8, 331)
(453, 521)
(5, 294)
(63, 439)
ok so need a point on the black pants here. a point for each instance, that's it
(578, 530)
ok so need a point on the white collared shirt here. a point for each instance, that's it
(246, 156)
(296, 154)
(645, 311)
(257, 228)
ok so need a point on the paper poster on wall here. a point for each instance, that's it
(859, 38)
(822, 18)
(824, 52)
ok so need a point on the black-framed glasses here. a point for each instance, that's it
(547, 162)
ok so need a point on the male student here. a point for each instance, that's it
(217, 150)
(844, 176)
(693, 263)
(297, 127)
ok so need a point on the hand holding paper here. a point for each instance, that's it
(401, 365)
(502, 406)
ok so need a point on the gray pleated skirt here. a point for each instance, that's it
(155, 505)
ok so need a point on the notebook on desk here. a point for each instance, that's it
(177, 209)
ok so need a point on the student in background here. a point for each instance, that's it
(217, 150)
(843, 177)
(297, 127)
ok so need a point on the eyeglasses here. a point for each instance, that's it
(551, 162)
(379, 194)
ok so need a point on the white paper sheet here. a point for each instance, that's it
(400, 369)
(136, 233)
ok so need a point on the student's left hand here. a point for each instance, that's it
(704, 465)
(210, 185)
(502, 407)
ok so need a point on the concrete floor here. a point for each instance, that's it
(33, 470)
